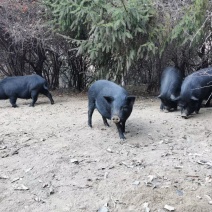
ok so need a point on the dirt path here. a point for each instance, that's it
(66, 166)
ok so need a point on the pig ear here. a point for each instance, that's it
(109, 99)
(130, 100)
(174, 98)
(194, 98)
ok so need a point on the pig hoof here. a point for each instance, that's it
(122, 141)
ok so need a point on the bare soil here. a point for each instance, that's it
(51, 161)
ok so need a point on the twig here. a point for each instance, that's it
(69, 38)
(199, 29)
(189, 175)
(202, 87)
(124, 5)
(208, 98)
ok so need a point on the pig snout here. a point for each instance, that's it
(115, 119)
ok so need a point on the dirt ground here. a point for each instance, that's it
(51, 161)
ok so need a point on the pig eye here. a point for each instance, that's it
(125, 107)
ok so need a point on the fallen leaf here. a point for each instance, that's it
(169, 208)
(104, 208)
(136, 182)
(146, 207)
(15, 179)
(106, 175)
(74, 161)
(109, 150)
(3, 177)
(51, 190)
(21, 187)
(209, 199)
(38, 199)
(27, 170)
(3, 147)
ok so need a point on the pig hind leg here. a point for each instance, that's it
(161, 106)
(34, 96)
(198, 106)
(13, 101)
(47, 94)
(91, 107)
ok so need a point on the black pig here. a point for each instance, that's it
(171, 80)
(112, 102)
(24, 87)
(195, 88)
